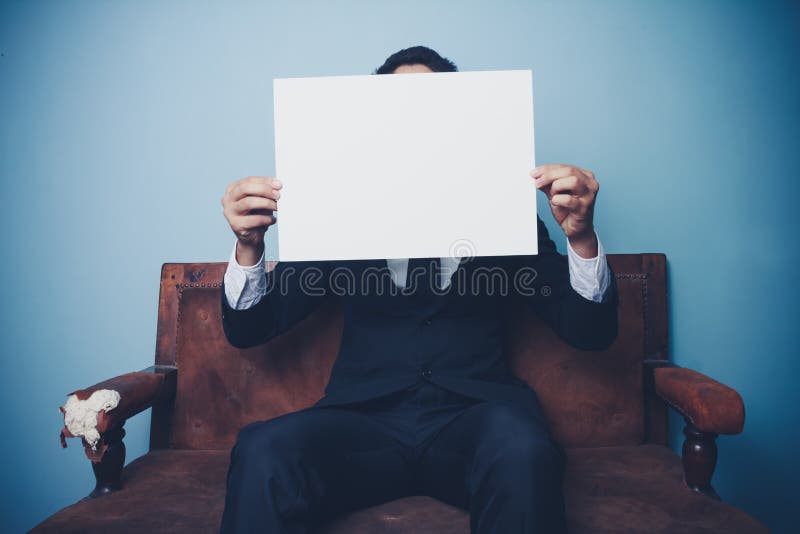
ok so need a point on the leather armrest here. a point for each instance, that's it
(137, 391)
(707, 404)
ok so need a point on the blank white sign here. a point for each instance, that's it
(405, 165)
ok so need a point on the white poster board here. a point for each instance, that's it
(405, 165)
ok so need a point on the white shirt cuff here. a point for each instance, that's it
(244, 286)
(590, 278)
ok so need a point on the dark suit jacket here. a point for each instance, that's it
(393, 340)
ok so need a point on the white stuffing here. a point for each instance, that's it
(80, 416)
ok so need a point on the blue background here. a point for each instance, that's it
(122, 123)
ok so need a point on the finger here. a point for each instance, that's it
(591, 181)
(541, 169)
(257, 179)
(274, 182)
(565, 201)
(569, 185)
(257, 189)
(251, 222)
(548, 177)
(250, 203)
(249, 179)
(267, 180)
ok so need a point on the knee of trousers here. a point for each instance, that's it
(524, 459)
(263, 448)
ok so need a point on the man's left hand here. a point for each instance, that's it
(572, 192)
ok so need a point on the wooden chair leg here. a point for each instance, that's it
(699, 459)
(108, 471)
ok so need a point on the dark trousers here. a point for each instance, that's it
(497, 460)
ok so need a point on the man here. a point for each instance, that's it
(421, 400)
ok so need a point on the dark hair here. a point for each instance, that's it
(417, 55)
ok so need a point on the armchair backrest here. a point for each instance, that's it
(590, 398)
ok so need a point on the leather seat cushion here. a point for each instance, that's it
(607, 489)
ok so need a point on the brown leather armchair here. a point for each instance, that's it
(608, 409)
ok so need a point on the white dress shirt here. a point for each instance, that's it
(245, 286)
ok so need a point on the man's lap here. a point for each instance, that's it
(487, 433)
(369, 452)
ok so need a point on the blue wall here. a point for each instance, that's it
(122, 122)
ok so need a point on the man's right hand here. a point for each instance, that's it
(248, 205)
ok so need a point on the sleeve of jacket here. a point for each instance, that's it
(294, 290)
(582, 323)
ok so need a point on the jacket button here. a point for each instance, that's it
(426, 373)
(427, 322)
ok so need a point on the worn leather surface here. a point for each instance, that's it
(590, 398)
(221, 388)
(710, 405)
(607, 490)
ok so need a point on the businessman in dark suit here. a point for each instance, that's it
(420, 400)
